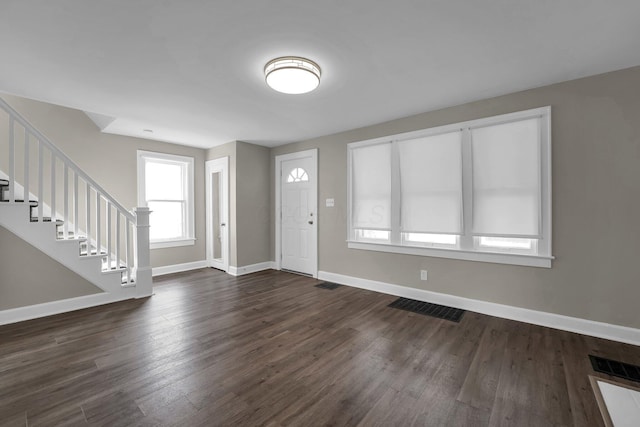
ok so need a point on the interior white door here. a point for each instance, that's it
(298, 207)
(217, 200)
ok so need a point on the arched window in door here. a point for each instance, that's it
(297, 175)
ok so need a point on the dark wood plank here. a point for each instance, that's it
(271, 349)
(481, 383)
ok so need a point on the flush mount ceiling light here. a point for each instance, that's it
(292, 75)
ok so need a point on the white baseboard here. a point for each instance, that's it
(177, 268)
(20, 314)
(551, 320)
(253, 268)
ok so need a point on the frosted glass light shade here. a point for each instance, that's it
(292, 75)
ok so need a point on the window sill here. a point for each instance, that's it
(493, 257)
(172, 243)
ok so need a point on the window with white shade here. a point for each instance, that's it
(506, 179)
(165, 185)
(372, 192)
(431, 189)
(478, 190)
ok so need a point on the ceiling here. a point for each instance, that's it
(192, 70)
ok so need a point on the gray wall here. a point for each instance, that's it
(111, 161)
(27, 276)
(252, 215)
(596, 206)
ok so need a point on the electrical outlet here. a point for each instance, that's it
(423, 274)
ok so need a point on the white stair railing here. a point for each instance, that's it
(112, 232)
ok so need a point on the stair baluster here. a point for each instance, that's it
(40, 182)
(12, 159)
(26, 163)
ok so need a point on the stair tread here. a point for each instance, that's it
(31, 202)
(80, 239)
(45, 219)
(114, 270)
(70, 234)
(122, 267)
(92, 254)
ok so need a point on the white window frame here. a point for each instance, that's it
(188, 164)
(468, 247)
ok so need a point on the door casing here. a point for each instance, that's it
(221, 166)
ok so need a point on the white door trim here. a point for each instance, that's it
(313, 153)
(211, 166)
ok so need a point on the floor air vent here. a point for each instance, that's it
(616, 369)
(328, 285)
(428, 309)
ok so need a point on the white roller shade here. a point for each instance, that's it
(371, 197)
(506, 179)
(431, 184)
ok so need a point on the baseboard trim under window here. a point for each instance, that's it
(541, 318)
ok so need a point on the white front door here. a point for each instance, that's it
(217, 188)
(298, 208)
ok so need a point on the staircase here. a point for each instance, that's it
(48, 201)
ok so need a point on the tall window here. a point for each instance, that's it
(165, 185)
(478, 190)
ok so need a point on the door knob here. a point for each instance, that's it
(311, 222)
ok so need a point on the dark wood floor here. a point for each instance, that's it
(271, 349)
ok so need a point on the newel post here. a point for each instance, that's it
(144, 283)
